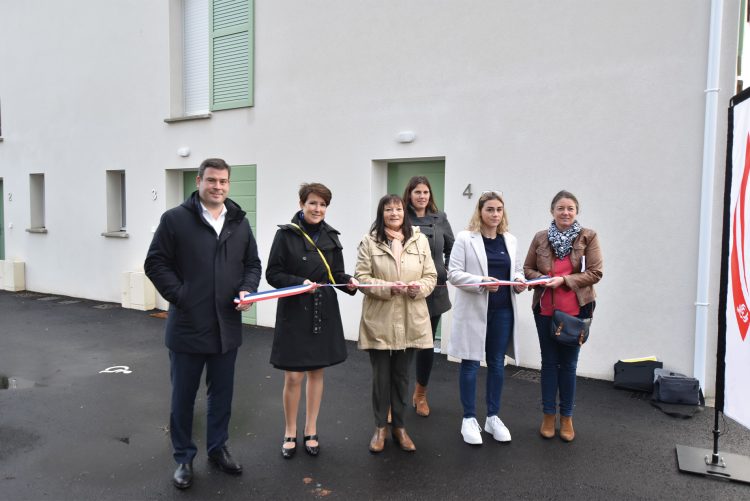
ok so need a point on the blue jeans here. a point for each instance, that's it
(559, 363)
(499, 331)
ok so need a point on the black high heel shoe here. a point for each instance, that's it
(288, 452)
(312, 450)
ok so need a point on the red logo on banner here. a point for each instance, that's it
(739, 276)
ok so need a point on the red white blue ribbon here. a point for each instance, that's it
(301, 289)
(275, 293)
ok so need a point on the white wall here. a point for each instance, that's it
(605, 99)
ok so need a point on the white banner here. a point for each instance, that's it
(737, 357)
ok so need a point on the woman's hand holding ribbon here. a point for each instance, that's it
(491, 288)
(413, 289)
(398, 288)
(314, 284)
(353, 284)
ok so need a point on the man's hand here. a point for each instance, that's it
(240, 306)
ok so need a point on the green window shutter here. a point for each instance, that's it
(231, 54)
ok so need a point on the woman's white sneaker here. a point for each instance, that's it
(471, 431)
(497, 429)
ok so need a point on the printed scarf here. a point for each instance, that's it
(562, 241)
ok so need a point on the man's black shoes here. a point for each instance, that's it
(223, 459)
(183, 476)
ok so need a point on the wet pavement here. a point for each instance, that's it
(69, 431)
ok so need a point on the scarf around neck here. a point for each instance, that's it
(562, 241)
(397, 245)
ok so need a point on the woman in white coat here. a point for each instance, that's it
(484, 315)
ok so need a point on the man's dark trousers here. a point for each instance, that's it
(186, 371)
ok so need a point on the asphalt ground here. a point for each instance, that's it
(70, 432)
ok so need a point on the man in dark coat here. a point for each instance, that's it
(203, 255)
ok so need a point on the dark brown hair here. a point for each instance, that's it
(306, 189)
(214, 163)
(378, 227)
(413, 183)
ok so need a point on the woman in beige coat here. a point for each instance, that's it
(395, 319)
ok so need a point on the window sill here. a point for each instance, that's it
(115, 234)
(187, 118)
(36, 230)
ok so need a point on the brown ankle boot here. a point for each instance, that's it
(403, 440)
(377, 442)
(419, 400)
(548, 426)
(566, 428)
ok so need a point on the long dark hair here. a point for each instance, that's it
(413, 183)
(378, 227)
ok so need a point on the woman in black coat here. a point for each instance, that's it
(434, 224)
(308, 335)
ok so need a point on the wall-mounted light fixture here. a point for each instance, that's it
(406, 136)
(184, 151)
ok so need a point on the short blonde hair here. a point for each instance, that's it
(475, 223)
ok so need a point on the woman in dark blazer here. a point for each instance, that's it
(308, 335)
(434, 224)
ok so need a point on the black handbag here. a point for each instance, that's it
(567, 329)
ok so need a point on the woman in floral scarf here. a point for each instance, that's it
(570, 255)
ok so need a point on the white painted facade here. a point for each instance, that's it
(605, 99)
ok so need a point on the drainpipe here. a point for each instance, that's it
(707, 190)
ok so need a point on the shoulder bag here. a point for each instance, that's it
(567, 329)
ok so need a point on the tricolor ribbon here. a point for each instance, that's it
(301, 289)
(274, 294)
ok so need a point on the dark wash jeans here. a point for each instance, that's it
(559, 364)
(499, 331)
